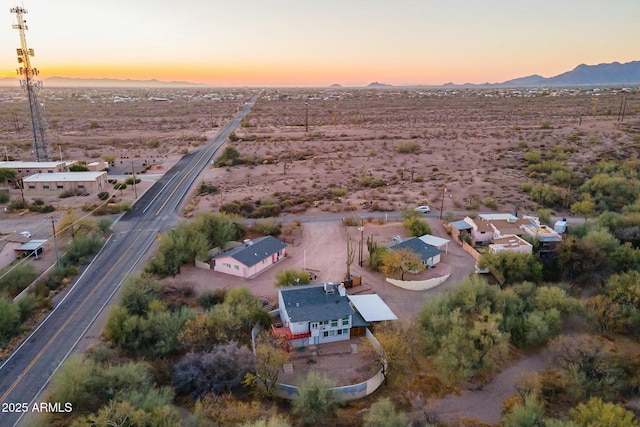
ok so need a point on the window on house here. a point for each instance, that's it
(345, 331)
(332, 333)
(324, 322)
(32, 187)
(340, 332)
(60, 187)
(334, 323)
(45, 187)
(237, 267)
(81, 187)
(325, 334)
(345, 321)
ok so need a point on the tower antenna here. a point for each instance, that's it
(32, 86)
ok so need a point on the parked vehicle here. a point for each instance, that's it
(26, 234)
(423, 209)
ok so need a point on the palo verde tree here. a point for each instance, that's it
(401, 261)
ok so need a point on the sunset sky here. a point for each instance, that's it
(318, 43)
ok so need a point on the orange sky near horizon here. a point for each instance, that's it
(288, 43)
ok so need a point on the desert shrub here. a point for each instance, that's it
(229, 157)
(416, 227)
(338, 191)
(409, 147)
(383, 414)
(490, 203)
(15, 279)
(267, 227)
(208, 299)
(81, 250)
(26, 306)
(220, 370)
(72, 193)
(78, 167)
(39, 206)
(9, 320)
(242, 208)
(291, 277)
(207, 188)
(131, 181)
(548, 195)
(371, 182)
(103, 195)
(265, 211)
(17, 204)
(514, 267)
(4, 196)
(315, 401)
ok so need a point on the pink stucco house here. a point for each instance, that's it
(251, 258)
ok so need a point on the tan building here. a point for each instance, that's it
(53, 183)
(31, 168)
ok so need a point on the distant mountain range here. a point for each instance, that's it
(613, 74)
(70, 82)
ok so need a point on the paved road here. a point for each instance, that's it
(26, 373)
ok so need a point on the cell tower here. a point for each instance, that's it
(32, 86)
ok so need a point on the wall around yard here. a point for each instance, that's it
(418, 285)
(344, 393)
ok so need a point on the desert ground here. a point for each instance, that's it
(337, 149)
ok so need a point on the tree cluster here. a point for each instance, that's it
(467, 330)
(192, 240)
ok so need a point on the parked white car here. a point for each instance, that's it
(26, 234)
(423, 209)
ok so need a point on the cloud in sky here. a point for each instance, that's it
(285, 42)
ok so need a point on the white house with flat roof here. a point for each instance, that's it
(43, 184)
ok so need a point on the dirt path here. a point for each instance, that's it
(485, 404)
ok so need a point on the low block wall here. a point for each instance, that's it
(344, 393)
(418, 285)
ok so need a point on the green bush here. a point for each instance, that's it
(4, 196)
(9, 320)
(17, 204)
(103, 195)
(131, 181)
(15, 279)
(268, 227)
(266, 211)
(207, 188)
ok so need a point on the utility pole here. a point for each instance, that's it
(444, 190)
(55, 242)
(360, 258)
(133, 172)
(306, 117)
(31, 86)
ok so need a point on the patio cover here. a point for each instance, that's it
(372, 308)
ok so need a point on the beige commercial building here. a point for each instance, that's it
(53, 183)
(31, 168)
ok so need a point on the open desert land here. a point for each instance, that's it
(337, 149)
(386, 150)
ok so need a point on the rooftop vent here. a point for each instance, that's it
(247, 242)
